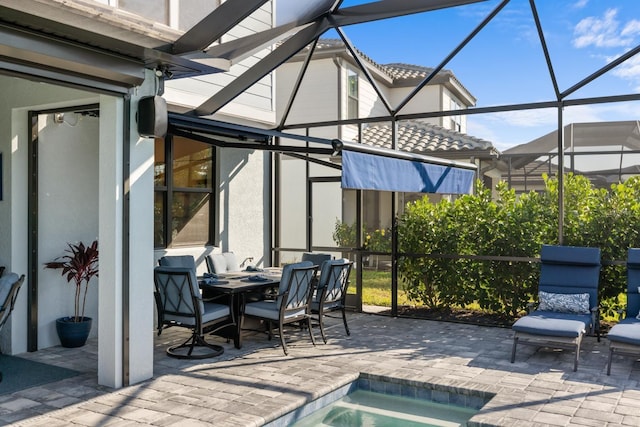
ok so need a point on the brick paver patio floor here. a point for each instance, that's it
(258, 384)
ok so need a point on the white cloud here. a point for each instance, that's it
(632, 28)
(580, 4)
(629, 70)
(528, 118)
(601, 32)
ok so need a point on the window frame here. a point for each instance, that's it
(353, 112)
(167, 191)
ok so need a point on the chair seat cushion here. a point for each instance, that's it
(626, 331)
(553, 324)
(268, 309)
(315, 306)
(213, 311)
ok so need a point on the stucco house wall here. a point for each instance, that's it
(19, 96)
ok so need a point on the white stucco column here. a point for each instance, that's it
(110, 233)
(141, 253)
(125, 337)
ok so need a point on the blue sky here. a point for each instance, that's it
(505, 64)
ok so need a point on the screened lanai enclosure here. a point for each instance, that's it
(378, 105)
(487, 96)
(406, 135)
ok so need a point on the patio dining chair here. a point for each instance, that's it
(567, 301)
(316, 257)
(187, 261)
(182, 305)
(624, 337)
(9, 287)
(331, 292)
(225, 262)
(290, 305)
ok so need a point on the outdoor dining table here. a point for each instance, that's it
(236, 286)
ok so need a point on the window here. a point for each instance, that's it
(456, 121)
(184, 198)
(352, 94)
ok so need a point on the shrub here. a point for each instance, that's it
(514, 226)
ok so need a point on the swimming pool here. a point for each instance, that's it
(388, 402)
(367, 408)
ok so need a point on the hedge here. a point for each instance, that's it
(515, 226)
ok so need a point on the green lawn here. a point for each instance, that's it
(376, 289)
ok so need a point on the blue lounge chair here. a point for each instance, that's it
(568, 301)
(624, 337)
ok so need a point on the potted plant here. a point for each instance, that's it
(79, 265)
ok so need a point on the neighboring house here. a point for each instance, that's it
(334, 87)
(75, 167)
(605, 152)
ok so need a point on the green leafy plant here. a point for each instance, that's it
(344, 234)
(378, 240)
(79, 265)
(511, 225)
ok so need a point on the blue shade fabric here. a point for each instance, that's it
(374, 172)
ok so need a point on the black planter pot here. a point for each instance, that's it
(73, 334)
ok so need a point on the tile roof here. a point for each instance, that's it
(420, 137)
(408, 71)
(396, 71)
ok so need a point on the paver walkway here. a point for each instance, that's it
(257, 384)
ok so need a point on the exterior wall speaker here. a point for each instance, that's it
(152, 117)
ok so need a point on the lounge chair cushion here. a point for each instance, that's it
(553, 324)
(626, 331)
(564, 303)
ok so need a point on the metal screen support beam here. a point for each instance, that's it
(545, 49)
(560, 177)
(365, 70)
(453, 53)
(126, 242)
(385, 9)
(269, 63)
(610, 66)
(296, 86)
(221, 20)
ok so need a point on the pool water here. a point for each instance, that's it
(363, 408)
